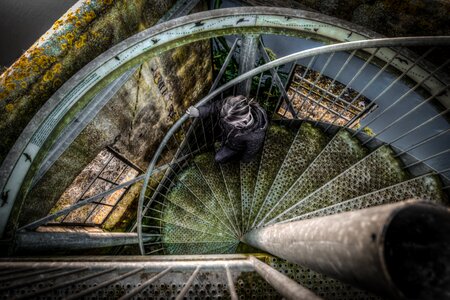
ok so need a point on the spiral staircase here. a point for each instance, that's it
(307, 218)
(301, 173)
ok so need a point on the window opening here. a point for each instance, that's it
(107, 170)
(324, 100)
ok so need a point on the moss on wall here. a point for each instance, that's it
(74, 40)
(133, 123)
(389, 17)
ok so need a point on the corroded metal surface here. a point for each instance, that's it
(276, 146)
(369, 248)
(231, 177)
(339, 154)
(308, 143)
(212, 175)
(425, 187)
(374, 172)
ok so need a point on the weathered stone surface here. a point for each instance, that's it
(133, 122)
(74, 40)
(388, 17)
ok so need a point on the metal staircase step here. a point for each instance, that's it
(175, 215)
(212, 175)
(182, 248)
(427, 187)
(276, 146)
(249, 175)
(376, 171)
(193, 180)
(322, 285)
(182, 197)
(173, 234)
(339, 154)
(308, 143)
(231, 176)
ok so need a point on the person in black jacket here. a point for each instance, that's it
(243, 123)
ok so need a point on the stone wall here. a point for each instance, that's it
(133, 123)
(83, 33)
(391, 18)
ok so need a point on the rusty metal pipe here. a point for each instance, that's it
(400, 250)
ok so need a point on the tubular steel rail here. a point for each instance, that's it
(127, 277)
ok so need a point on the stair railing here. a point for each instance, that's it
(310, 56)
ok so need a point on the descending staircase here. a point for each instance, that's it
(301, 173)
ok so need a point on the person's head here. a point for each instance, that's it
(236, 111)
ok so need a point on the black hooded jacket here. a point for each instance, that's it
(248, 140)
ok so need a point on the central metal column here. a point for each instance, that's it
(247, 60)
(394, 250)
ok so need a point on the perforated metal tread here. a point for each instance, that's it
(200, 248)
(249, 174)
(212, 175)
(321, 285)
(182, 197)
(339, 154)
(173, 234)
(276, 146)
(231, 177)
(177, 216)
(209, 283)
(194, 181)
(307, 144)
(425, 187)
(376, 171)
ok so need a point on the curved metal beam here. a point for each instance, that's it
(44, 128)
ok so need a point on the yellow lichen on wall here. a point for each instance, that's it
(35, 63)
(88, 29)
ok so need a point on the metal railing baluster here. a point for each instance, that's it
(319, 77)
(427, 158)
(287, 287)
(327, 90)
(429, 99)
(64, 284)
(310, 64)
(360, 70)
(404, 95)
(44, 278)
(368, 84)
(21, 276)
(103, 284)
(419, 126)
(188, 284)
(212, 212)
(230, 282)
(438, 134)
(145, 284)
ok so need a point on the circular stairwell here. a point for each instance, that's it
(300, 174)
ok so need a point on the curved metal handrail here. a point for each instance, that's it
(356, 45)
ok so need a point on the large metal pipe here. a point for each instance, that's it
(30, 241)
(399, 250)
